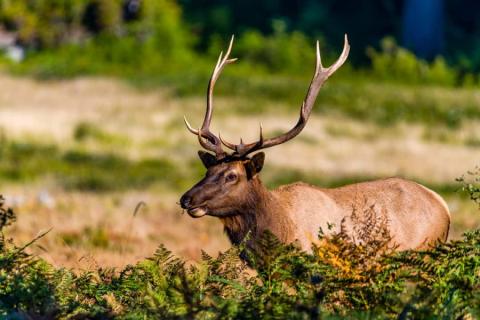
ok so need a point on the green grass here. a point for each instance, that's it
(86, 131)
(387, 104)
(79, 169)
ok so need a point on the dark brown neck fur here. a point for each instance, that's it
(260, 211)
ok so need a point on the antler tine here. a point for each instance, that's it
(212, 142)
(318, 63)
(189, 127)
(221, 62)
(320, 76)
(238, 148)
(343, 57)
(261, 134)
(227, 144)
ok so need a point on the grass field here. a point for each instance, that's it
(79, 155)
(94, 157)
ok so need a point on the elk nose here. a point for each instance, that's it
(185, 201)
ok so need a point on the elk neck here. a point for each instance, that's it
(258, 212)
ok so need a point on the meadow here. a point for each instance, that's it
(94, 157)
(94, 160)
(100, 164)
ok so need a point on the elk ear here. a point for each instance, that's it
(258, 160)
(255, 164)
(208, 159)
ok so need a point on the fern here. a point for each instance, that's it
(342, 278)
(471, 184)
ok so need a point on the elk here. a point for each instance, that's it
(416, 217)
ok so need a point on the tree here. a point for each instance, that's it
(102, 16)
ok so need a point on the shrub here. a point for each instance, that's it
(471, 184)
(338, 280)
(155, 42)
(168, 36)
(102, 16)
(43, 23)
(280, 52)
(398, 64)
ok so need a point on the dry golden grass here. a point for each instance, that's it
(90, 229)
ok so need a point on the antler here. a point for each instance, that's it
(206, 138)
(320, 76)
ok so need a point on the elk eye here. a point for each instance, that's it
(231, 177)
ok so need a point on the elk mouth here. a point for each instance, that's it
(197, 212)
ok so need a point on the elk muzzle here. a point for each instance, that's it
(195, 211)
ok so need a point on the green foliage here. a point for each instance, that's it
(279, 52)
(366, 100)
(25, 280)
(73, 37)
(168, 36)
(86, 131)
(7, 216)
(398, 64)
(89, 37)
(392, 103)
(338, 279)
(471, 184)
(41, 23)
(102, 16)
(81, 170)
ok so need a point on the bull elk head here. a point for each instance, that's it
(230, 172)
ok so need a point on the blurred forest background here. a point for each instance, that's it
(153, 39)
(93, 92)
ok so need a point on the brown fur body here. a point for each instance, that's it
(415, 216)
